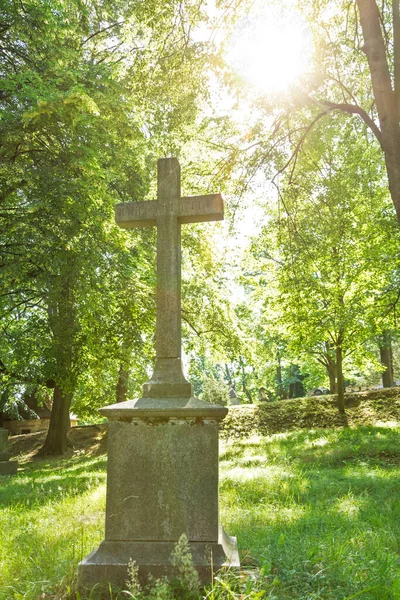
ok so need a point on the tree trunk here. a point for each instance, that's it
(56, 441)
(244, 382)
(123, 374)
(326, 360)
(385, 96)
(385, 349)
(229, 376)
(122, 383)
(281, 389)
(62, 321)
(396, 51)
(331, 368)
(339, 379)
(391, 364)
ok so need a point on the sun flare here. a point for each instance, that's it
(270, 50)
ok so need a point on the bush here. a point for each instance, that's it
(215, 391)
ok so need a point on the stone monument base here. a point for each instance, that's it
(109, 562)
(162, 482)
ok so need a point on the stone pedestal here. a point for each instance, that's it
(7, 467)
(162, 481)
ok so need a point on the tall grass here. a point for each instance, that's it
(51, 516)
(316, 513)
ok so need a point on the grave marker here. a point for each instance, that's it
(162, 472)
(7, 467)
(168, 213)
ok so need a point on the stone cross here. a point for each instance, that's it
(168, 213)
(169, 436)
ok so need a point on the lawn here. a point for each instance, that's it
(319, 510)
(316, 514)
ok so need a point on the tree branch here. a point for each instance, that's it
(101, 31)
(199, 332)
(355, 109)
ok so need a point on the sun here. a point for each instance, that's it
(270, 49)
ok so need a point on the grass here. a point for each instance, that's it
(319, 510)
(316, 513)
(51, 516)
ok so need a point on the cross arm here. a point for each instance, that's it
(196, 209)
(136, 214)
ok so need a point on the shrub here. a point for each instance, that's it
(215, 391)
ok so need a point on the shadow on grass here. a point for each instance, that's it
(38, 484)
(318, 509)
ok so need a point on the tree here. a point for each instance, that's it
(334, 236)
(355, 70)
(386, 356)
(382, 48)
(215, 391)
(90, 93)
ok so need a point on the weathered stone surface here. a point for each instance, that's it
(7, 467)
(165, 475)
(162, 473)
(162, 481)
(191, 209)
(165, 408)
(109, 562)
(3, 440)
(168, 380)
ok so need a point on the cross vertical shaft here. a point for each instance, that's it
(168, 315)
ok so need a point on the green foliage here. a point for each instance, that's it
(215, 390)
(187, 578)
(91, 95)
(326, 263)
(332, 234)
(308, 515)
(344, 76)
(132, 583)
(57, 515)
(184, 586)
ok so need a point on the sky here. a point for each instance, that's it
(270, 47)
